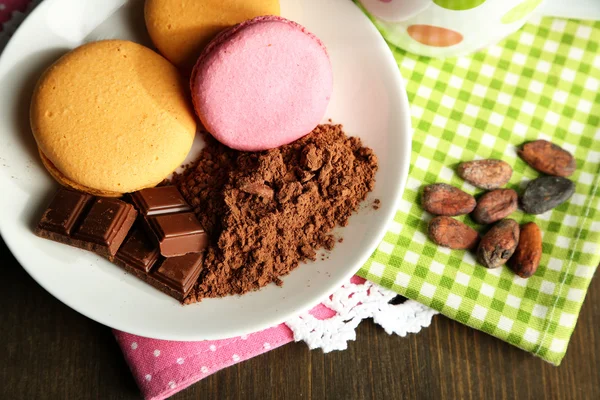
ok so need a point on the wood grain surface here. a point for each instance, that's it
(48, 351)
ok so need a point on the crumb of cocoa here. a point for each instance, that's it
(376, 204)
(268, 211)
(341, 240)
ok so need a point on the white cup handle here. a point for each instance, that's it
(578, 9)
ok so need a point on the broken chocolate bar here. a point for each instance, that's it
(77, 219)
(106, 227)
(174, 276)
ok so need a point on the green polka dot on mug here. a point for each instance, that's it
(520, 11)
(459, 5)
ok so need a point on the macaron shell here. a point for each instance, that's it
(113, 116)
(262, 84)
(63, 180)
(181, 29)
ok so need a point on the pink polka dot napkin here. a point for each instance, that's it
(162, 368)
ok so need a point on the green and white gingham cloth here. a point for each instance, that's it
(541, 82)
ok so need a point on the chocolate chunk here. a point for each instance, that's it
(159, 200)
(180, 274)
(169, 221)
(258, 189)
(138, 251)
(174, 276)
(64, 212)
(177, 234)
(106, 226)
(77, 220)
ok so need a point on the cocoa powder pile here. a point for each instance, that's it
(268, 211)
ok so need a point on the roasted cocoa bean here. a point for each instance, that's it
(485, 174)
(526, 259)
(548, 158)
(443, 199)
(448, 232)
(495, 205)
(545, 193)
(498, 244)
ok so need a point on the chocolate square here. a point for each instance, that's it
(177, 234)
(159, 200)
(180, 273)
(138, 251)
(64, 212)
(106, 225)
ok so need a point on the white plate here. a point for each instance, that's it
(369, 99)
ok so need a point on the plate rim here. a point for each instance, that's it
(276, 318)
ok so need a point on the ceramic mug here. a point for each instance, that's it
(444, 28)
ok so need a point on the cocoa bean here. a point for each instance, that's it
(442, 199)
(448, 232)
(548, 158)
(485, 174)
(545, 193)
(498, 244)
(495, 205)
(526, 259)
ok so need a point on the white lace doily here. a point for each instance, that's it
(350, 305)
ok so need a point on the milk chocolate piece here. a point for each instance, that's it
(64, 212)
(138, 252)
(160, 200)
(174, 276)
(177, 234)
(106, 226)
(75, 219)
(179, 274)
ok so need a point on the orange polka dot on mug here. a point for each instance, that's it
(447, 28)
(435, 36)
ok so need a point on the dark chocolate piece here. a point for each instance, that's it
(174, 276)
(64, 212)
(177, 234)
(138, 251)
(179, 274)
(106, 225)
(160, 200)
(75, 219)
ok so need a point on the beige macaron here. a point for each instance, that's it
(112, 117)
(181, 29)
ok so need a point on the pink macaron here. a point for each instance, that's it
(262, 84)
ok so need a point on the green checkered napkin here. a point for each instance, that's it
(541, 82)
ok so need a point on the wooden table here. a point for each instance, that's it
(49, 351)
